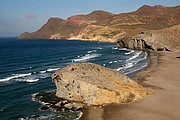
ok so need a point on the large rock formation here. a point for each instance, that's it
(156, 40)
(108, 27)
(96, 85)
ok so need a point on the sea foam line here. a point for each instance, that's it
(86, 57)
(129, 52)
(52, 69)
(127, 65)
(91, 51)
(15, 76)
(134, 56)
(136, 69)
(32, 80)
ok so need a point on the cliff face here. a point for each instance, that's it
(96, 85)
(108, 27)
(156, 40)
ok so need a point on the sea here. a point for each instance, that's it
(26, 66)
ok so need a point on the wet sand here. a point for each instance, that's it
(163, 77)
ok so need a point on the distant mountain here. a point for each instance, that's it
(107, 27)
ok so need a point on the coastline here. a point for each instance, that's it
(162, 77)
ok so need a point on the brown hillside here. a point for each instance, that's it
(107, 27)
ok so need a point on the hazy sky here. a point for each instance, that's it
(17, 16)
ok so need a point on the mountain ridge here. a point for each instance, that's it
(107, 27)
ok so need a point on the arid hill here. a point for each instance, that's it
(107, 27)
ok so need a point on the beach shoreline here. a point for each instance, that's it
(162, 77)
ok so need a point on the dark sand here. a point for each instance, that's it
(163, 77)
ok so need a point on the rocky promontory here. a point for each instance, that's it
(156, 40)
(93, 84)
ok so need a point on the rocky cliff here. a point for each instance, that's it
(156, 40)
(96, 85)
(108, 27)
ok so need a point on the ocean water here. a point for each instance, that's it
(26, 66)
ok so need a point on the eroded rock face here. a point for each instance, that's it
(156, 40)
(143, 41)
(96, 85)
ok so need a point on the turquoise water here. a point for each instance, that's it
(26, 66)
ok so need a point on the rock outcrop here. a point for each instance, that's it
(107, 27)
(156, 40)
(96, 85)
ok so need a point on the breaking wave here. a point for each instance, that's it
(136, 69)
(132, 51)
(114, 48)
(43, 71)
(134, 56)
(86, 57)
(32, 80)
(91, 51)
(127, 65)
(52, 69)
(15, 77)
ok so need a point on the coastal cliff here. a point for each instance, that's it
(156, 40)
(96, 85)
(107, 27)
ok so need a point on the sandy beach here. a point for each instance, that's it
(163, 78)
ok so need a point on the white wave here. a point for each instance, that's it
(99, 48)
(52, 69)
(79, 115)
(91, 51)
(34, 96)
(30, 67)
(110, 62)
(127, 65)
(134, 56)
(129, 52)
(114, 48)
(86, 57)
(122, 48)
(104, 64)
(15, 76)
(32, 80)
(43, 71)
(136, 69)
(144, 58)
(115, 61)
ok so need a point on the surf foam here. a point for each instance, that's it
(127, 65)
(134, 56)
(15, 77)
(32, 80)
(86, 57)
(52, 69)
(129, 52)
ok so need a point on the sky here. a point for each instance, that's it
(18, 16)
